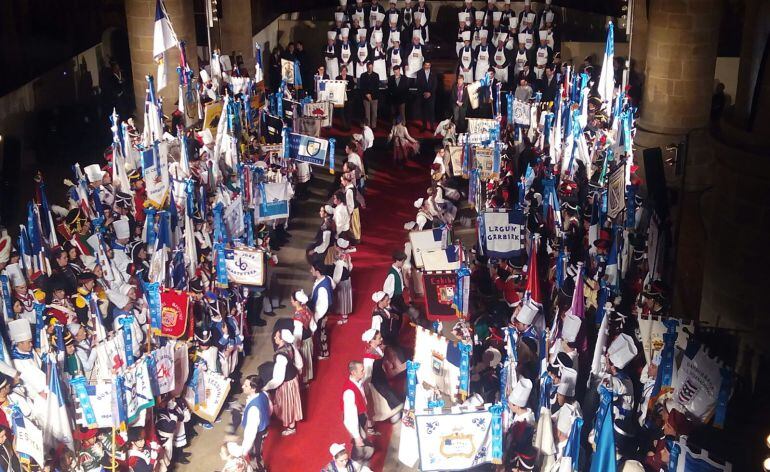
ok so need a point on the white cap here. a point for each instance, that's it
(378, 296)
(418, 202)
(496, 15)
(377, 36)
(234, 449)
(565, 419)
(513, 22)
(520, 394)
(359, 17)
(207, 136)
(361, 32)
(121, 228)
(507, 2)
(19, 330)
(331, 35)
(393, 17)
(547, 2)
(567, 382)
(336, 448)
(343, 3)
(287, 336)
(205, 77)
(530, 17)
(15, 275)
(570, 328)
(543, 35)
(523, 37)
(622, 350)
(463, 17)
(395, 36)
(344, 32)
(368, 335)
(339, 16)
(527, 312)
(479, 15)
(380, 16)
(502, 36)
(527, 2)
(301, 296)
(94, 173)
(483, 34)
(417, 34)
(342, 243)
(466, 35)
(549, 17)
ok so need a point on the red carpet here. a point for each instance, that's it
(389, 196)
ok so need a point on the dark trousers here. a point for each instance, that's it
(398, 110)
(458, 115)
(345, 112)
(323, 337)
(428, 110)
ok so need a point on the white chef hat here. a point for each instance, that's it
(380, 16)
(622, 350)
(361, 32)
(19, 330)
(523, 37)
(466, 35)
(513, 22)
(121, 228)
(359, 17)
(73, 328)
(331, 35)
(567, 382)
(343, 3)
(94, 173)
(368, 335)
(15, 275)
(463, 17)
(483, 33)
(301, 296)
(543, 35)
(479, 15)
(418, 202)
(547, 2)
(205, 77)
(530, 17)
(395, 36)
(527, 312)
(527, 3)
(378, 296)
(496, 15)
(393, 17)
(336, 448)
(520, 394)
(571, 327)
(344, 32)
(342, 243)
(417, 34)
(565, 419)
(287, 336)
(549, 17)
(377, 36)
(339, 16)
(502, 37)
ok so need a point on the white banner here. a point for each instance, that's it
(697, 385)
(456, 441)
(233, 218)
(29, 440)
(651, 330)
(216, 387)
(276, 202)
(164, 367)
(333, 91)
(287, 71)
(156, 179)
(245, 266)
(321, 109)
(521, 112)
(138, 390)
(502, 233)
(480, 125)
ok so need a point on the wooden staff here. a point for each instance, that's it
(112, 460)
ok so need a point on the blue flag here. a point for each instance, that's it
(604, 459)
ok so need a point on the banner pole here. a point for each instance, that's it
(112, 460)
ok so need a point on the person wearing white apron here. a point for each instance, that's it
(330, 55)
(478, 27)
(512, 34)
(501, 60)
(378, 56)
(549, 37)
(393, 10)
(529, 38)
(407, 15)
(394, 53)
(377, 28)
(489, 12)
(507, 13)
(415, 59)
(543, 55)
(421, 25)
(483, 56)
(393, 20)
(376, 13)
(496, 28)
(547, 16)
(344, 51)
(362, 54)
(463, 26)
(527, 15)
(521, 58)
(465, 67)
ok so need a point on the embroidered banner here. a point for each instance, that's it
(501, 233)
(174, 314)
(246, 266)
(454, 441)
(439, 294)
(216, 387)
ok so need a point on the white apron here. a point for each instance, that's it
(529, 42)
(332, 64)
(395, 59)
(372, 42)
(390, 41)
(549, 39)
(521, 60)
(345, 55)
(541, 59)
(501, 71)
(379, 65)
(475, 39)
(414, 62)
(466, 61)
(361, 56)
(482, 63)
(458, 47)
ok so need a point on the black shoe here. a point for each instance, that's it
(269, 313)
(260, 323)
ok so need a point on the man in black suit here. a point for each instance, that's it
(426, 87)
(398, 91)
(548, 85)
(369, 84)
(459, 96)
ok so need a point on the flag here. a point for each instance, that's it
(601, 342)
(258, 74)
(611, 270)
(604, 459)
(57, 428)
(607, 78)
(163, 38)
(308, 148)
(544, 439)
(533, 284)
(578, 307)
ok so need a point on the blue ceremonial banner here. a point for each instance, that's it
(604, 459)
(308, 149)
(128, 339)
(497, 433)
(465, 352)
(79, 388)
(501, 233)
(152, 290)
(411, 382)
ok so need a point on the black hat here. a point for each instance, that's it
(135, 434)
(196, 286)
(74, 220)
(86, 276)
(203, 336)
(122, 199)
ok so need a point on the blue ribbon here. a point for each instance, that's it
(504, 383)
(39, 307)
(279, 101)
(411, 382)
(5, 286)
(436, 326)
(219, 229)
(128, 339)
(509, 99)
(79, 387)
(221, 265)
(59, 331)
(465, 364)
(331, 155)
(674, 449)
(152, 293)
(297, 75)
(120, 399)
(149, 224)
(630, 206)
(725, 390)
(497, 433)
(459, 299)
(152, 370)
(436, 403)
(572, 448)
(248, 217)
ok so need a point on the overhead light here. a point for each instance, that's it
(766, 465)
(767, 439)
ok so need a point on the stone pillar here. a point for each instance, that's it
(237, 32)
(140, 21)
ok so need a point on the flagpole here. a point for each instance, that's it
(112, 460)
